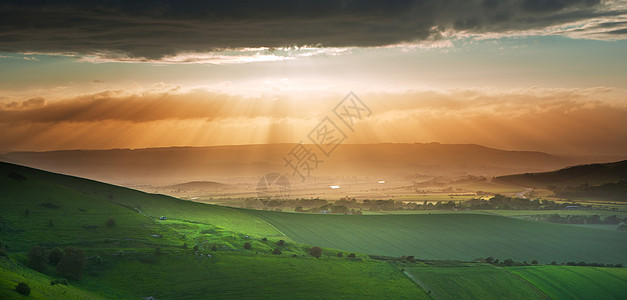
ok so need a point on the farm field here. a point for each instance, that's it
(472, 281)
(452, 236)
(572, 282)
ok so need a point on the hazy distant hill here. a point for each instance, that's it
(592, 174)
(166, 166)
(198, 185)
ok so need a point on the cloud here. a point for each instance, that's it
(152, 30)
(571, 121)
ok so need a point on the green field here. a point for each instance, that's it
(141, 256)
(570, 282)
(453, 236)
(472, 281)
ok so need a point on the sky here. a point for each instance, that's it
(542, 75)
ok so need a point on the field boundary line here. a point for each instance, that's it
(528, 283)
(430, 293)
(269, 224)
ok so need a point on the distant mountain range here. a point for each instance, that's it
(167, 166)
(590, 174)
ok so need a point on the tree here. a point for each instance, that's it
(55, 256)
(276, 251)
(352, 255)
(489, 259)
(508, 262)
(37, 258)
(247, 246)
(23, 288)
(534, 262)
(281, 243)
(340, 254)
(111, 222)
(72, 263)
(315, 251)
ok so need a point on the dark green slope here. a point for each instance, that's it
(571, 176)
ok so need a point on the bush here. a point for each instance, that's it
(276, 251)
(489, 259)
(55, 256)
(352, 255)
(111, 222)
(37, 258)
(247, 246)
(214, 248)
(264, 239)
(184, 245)
(534, 262)
(508, 262)
(23, 288)
(196, 248)
(26, 213)
(72, 263)
(51, 223)
(340, 254)
(158, 251)
(315, 252)
(281, 243)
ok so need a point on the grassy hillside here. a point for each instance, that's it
(453, 236)
(141, 256)
(570, 282)
(571, 176)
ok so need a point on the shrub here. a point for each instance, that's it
(352, 255)
(276, 251)
(534, 262)
(489, 259)
(281, 243)
(264, 239)
(26, 213)
(214, 248)
(23, 288)
(315, 252)
(55, 256)
(184, 245)
(51, 223)
(111, 222)
(340, 254)
(508, 262)
(158, 251)
(37, 258)
(72, 263)
(247, 246)
(553, 263)
(3, 251)
(196, 248)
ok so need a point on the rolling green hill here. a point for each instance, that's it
(141, 255)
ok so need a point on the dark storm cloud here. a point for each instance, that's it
(153, 29)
